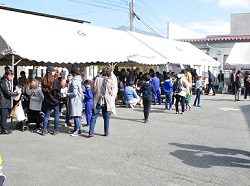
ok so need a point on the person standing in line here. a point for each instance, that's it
(211, 81)
(155, 81)
(75, 99)
(51, 88)
(232, 80)
(189, 78)
(220, 78)
(67, 116)
(247, 85)
(181, 86)
(88, 100)
(168, 90)
(194, 75)
(187, 100)
(22, 81)
(6, 96)
(36, 97)
(198, 88)
(147, 90)
(103, 91)
(115, 91)
(238, 85)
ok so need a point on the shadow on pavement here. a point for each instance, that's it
(206, 157)
(245, 110)
(218, 99)
(129, 119)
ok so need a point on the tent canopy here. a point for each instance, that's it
(47, 40)
(177, 52)
(239, 55)
(38, 40)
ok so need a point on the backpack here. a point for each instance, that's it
(177, 86)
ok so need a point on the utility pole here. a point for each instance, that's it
(132, 15)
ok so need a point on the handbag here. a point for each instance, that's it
(18, 113)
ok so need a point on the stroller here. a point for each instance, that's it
(24, 125)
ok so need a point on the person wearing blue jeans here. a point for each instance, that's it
(47, 113)
(75, 99)
(51, 88)
(106, 118)
(103, 92)
(198, 87)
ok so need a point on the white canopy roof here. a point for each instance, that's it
(38, 39)
(177, 52)
(239, 55)
(41, 39)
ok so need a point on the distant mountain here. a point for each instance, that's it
(124, 28)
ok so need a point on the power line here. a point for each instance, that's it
(150, 28)
(152, 12)
(151, 22)
(109, 4)
(100, 6)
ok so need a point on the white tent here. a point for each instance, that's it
(177, 52)
(240, 55)
(37, 39)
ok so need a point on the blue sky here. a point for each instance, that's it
(203, 16)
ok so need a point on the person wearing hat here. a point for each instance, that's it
(130, 96)
(51, 88)
(75, 99)
(5, 99)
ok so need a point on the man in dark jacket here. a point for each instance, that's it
(221, 77)
(238, 85)
(147, 90)
(5, 99)
(211, 81)
(232, 80)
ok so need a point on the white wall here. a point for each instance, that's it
(90, 72)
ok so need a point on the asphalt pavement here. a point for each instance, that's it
(206, 146)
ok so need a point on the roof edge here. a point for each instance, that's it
(42, 14)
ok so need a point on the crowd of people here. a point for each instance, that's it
(89, 97)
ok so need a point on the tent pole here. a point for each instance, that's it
(12, 66)
(112, 65)
(12, 82)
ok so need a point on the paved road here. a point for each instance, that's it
(206, 146)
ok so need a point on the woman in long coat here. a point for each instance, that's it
(75, 100)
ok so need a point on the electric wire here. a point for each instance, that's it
(153, 12)
(150, 28)
(100, 6)
(151, 22)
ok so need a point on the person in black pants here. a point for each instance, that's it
(247, 85)
(180, 93)
(5, 99)
(147, 90)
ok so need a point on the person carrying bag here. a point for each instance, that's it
(6, 96)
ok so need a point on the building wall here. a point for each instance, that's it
(217, 50)
(240, 24)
